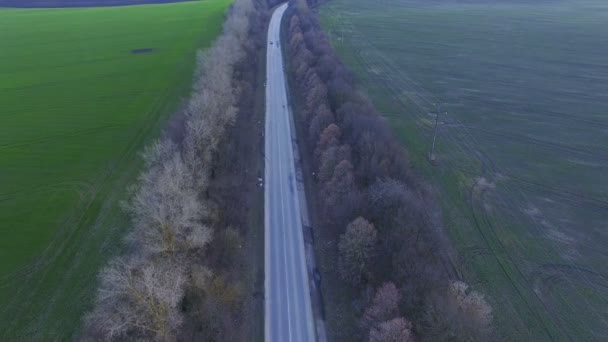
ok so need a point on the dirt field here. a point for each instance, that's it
(79, 3)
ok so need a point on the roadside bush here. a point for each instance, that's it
(166, 209)
(395, 330)
(361, 169)
(142, 294)
(380, 318)
(139, 299)
(384, 306)
(356, 250)
(458, 314)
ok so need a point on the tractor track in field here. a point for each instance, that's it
(66, 65)
(110, 75)
(548, 278)
(82, 186)
(545, 112)
(94, 39)
(552, 274)
(83, 132)
(96, 101)
(549, 145)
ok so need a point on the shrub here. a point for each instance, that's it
(139, 299)
(395, 330)
(459, 314)
(356, 249)
(384, 306)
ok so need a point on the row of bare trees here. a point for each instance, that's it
(145, 293)
(380, 217)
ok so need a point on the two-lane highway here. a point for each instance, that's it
(288, 313)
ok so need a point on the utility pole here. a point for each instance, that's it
(438, 111)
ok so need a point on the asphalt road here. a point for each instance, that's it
(288, 313)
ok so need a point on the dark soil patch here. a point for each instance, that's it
(79, 3)
(145, 50)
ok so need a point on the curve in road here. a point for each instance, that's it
(288, 313)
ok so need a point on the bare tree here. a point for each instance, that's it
(316, 93)
(356, 249)
(139, 300)
(339, 189)
(357, 153)
(140, 293)
(296, 41)
(383, 307)
(459, 315)
(386, 196)
(222, 301)
(321, 118)
(329, 137)
(294, 23)
(166, 210)
(395, 330)
(330, 159)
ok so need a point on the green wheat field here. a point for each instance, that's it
(82, 90)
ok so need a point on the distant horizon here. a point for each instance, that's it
(81, 3)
